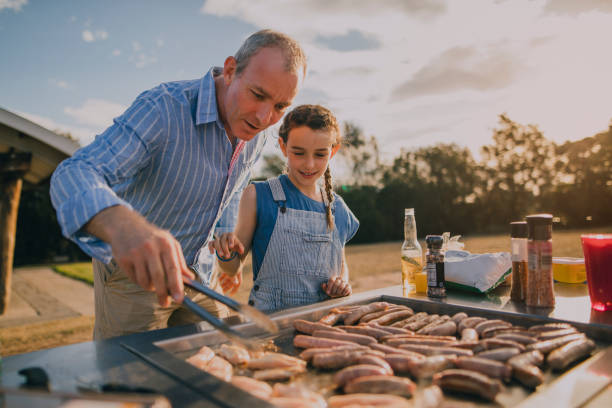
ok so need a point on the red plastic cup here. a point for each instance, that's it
(597, 249)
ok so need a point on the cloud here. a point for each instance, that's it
(95, 112)
(83, 135)
(59, 83)
(142, 60)
(573, 7)
(91, 36)
(353, 40)
(14, 5)
(460, 68)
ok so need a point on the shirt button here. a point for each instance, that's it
(251, 303)
(256, 287)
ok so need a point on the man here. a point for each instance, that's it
(144, 198)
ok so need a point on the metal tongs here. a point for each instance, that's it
(257, 317)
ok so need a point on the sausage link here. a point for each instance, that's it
(553, 334)
(495, 331)
(391, 330)
(550, 327)
(469, 382)
(549, 345)
(335, 359)
(492, 368)
(457, 317)
(355, 338)
(402, 363)
(447, 328)
(372, 359)
(350, 373)
(357, 314)
(519, 338)
(378, 334)
(426, 368)
(304, 326)
(392, 317)
(528, 375)
(500, 354)
(390, 350)
(470, 322)
(469, 335)
(533, 357)
(309, 353)
(489, 324)
(418, 324)
(563, 356)
(381, 384)
(493, 343)
(431, 350)
(331, 318)
(303, 341)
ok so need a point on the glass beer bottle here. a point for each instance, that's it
(412, 254)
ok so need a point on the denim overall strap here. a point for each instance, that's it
(301, 255)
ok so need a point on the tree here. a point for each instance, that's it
(361, 156)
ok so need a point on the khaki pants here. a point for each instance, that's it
(122, 307)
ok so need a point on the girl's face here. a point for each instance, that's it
(308, 152)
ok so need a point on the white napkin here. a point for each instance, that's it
(481, 272)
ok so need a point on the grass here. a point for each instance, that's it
(371, 266)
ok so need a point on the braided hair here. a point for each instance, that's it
(316, 117)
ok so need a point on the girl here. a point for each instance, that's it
(296, 229)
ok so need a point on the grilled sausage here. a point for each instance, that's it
(427, 367)
(365, 330)
(469, 382)
(335, 359)
(293, 390)
(414, 318)
(374, 315)
(457, 317)
(234, 354)
(499, 354)
(550, 327)
(560, 358)
(528, 375)
(533, 357)
(419, 324)
(423, 342)
(489, 324)
(438, 320)
(493, 343)
(495, 331)
(389, 350)
(549, 345)
(381, 384)
(360, 370)
(355, 315)
(201, 358)
(220, 368)
(491, 368)
(259, 389)
(275, 360)
(401, 363)
(331, 318)
(431, 350)
(355, 338)
(391, 330)
(519, 338)
(413, 336)
(470, 322)
(447, 328)
(368, 400)
(375, 360)
(309, 353)
(392, 317)
(278, 374)
(302, 341)
(430, 397)
(469, 335)
(304, 326)
(553, 334)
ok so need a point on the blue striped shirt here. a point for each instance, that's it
(168, 158)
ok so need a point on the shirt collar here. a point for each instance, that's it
(207, 111)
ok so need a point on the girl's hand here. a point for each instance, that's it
(230, 284)
(337, 287)
(225, 245)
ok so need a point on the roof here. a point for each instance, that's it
(48, 148)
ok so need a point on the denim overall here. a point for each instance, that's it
(301, 255)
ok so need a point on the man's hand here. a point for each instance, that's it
(150, 256)
(225, 245)
(336, 287)
(230, 284)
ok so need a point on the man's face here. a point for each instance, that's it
(257, 97)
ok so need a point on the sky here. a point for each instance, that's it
(410, 72)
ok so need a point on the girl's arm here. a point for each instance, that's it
(241, 239)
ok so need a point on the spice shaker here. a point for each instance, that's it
(539, 258)
(412, 254)
(518, 244)
(436, 287)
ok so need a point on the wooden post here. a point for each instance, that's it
(12, 168)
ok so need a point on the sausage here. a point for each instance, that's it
(469, 382)
(355, 315)
(489, 324)
(438, 320)
(553, 334)
(491, 368)
(392, 317)
(331, 318)
(430, 397)
(335, 359)
(550, 327)
(493, 343)
(499, 354)
(414, 318)
(431, 350)
(560, 358)
(413, 336)
(381, 384)
(275, 360)
(375, 360)
(390, 350)
(304, 326)
(401, 363)
(355, 338)
(447, 328)
(519, 338)
(374, 315)
(528, 375)
(278, 374)
(469, 345)
(420, 341)
(220, 368)
(427, 367)
(533, 357)
(365, 330)
(495, 331)
(309, 353)
(469, 335)
(259, 389)
(302, 341)
(391, 330)
(368, 400)
(234, 354)
(201, 358)
(549, 345)
(360, 370)
(470, 322)
(457, 317)
(293, 390)
(418, 324)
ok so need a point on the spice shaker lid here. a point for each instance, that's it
(518, 229)
(409, 211)
(434, 241)
(539, 226)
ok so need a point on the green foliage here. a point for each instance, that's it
(82, 271)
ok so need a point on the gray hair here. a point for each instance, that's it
(292, 51)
